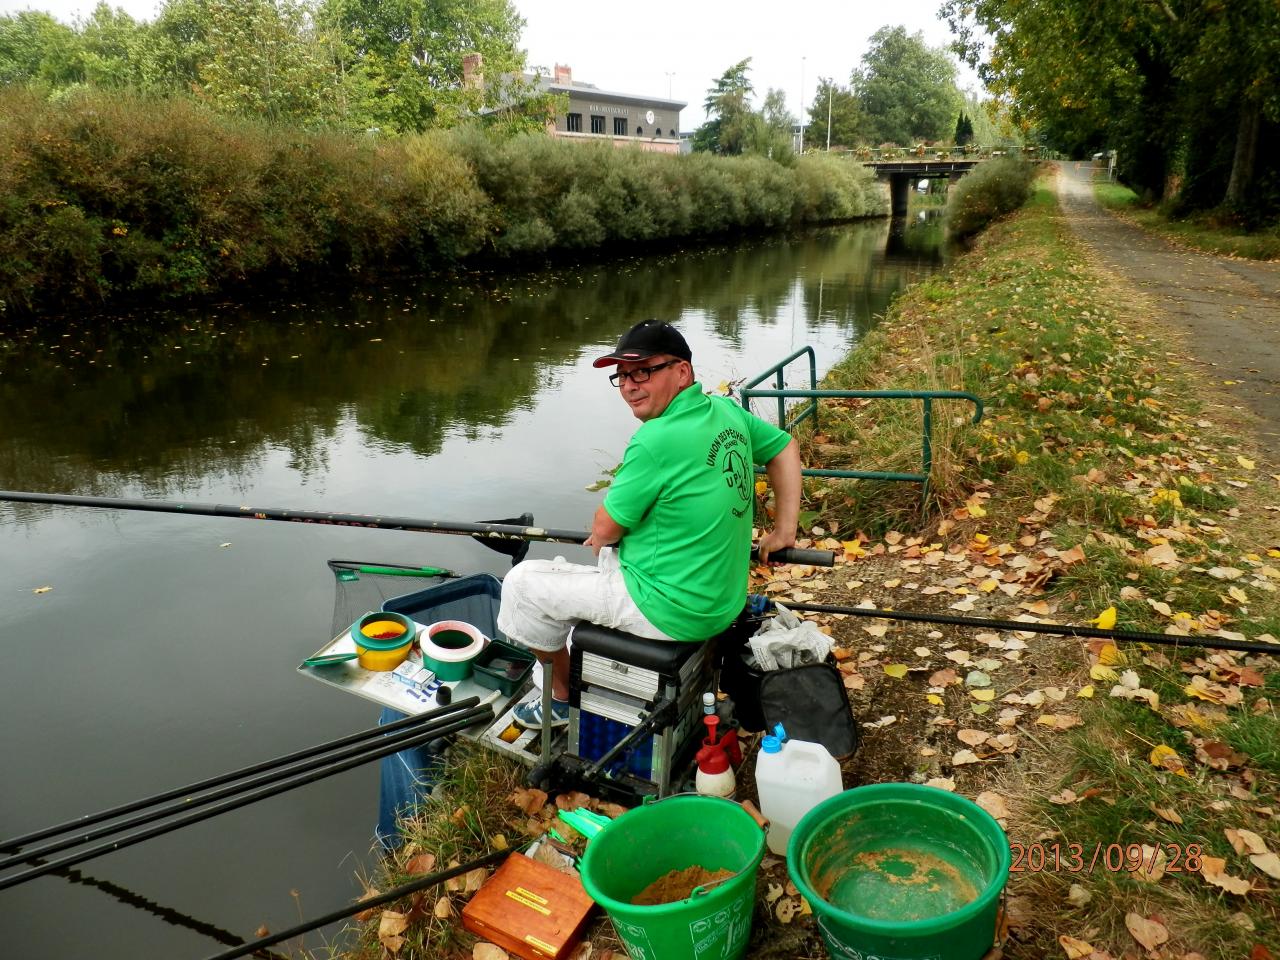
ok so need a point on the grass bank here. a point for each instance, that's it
(1204, 231)
(107, 196)
(1138, 784)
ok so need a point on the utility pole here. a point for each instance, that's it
(831, 92)
(802, 105)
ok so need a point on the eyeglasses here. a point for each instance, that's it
(639, 375)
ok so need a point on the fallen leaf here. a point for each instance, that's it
(1106, 620)
(1149, 933)
(1213, 869)
(473, 880)
(964, 756)
(529, 800)
(993, 803)
(443, 909)
(1064, 796)
(1059, 721)
(1078, 896)
(1245, 841)
(1075, 949)
(421, 863)
(1268, 863)
(1225, 573)
(944, 677)
(1167, 758)
(1166, 813)
(262, 931)
(983, 695)
(391, 926)
(972, 737)
(1151, 868)
(895, 670)
(775, 891)
(942, 783)
(786, 909)
(488, 951)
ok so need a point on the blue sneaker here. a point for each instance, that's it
(529, 715)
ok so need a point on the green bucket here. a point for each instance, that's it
(649, 842)
(898, 871)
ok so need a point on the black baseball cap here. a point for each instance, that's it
(646, 339)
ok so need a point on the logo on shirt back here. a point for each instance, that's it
(736, 473)
(729, 452)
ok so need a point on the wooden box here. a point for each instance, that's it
(529, 909)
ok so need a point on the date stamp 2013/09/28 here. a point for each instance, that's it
(1112, 857)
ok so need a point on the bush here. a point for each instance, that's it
(107, 194)
(992, 190)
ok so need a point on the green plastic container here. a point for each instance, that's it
(649, 842)
(898, 871)
(485, 672)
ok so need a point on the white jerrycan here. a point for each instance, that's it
(792, 777)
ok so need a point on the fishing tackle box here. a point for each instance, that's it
(616, 682)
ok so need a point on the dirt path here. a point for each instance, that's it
(1231, 308)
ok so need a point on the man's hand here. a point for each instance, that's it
(604, 531)
(775, 539)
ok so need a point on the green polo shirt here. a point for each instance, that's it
(685, 493)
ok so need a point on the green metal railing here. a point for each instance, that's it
(810, 411)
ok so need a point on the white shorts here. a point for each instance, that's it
(543, 599)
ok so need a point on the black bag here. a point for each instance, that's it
(812, 704)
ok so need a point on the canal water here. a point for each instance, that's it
(145, 651)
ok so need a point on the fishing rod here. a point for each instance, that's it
(369, 903)
(268, 772)
(467, 719)
(497, 535)
(1053, 629)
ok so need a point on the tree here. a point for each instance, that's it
(964, 130)
(848, 123)
(906, 89)
(727, 102)
(263, 61)
(1157, 80)
(109, 41)
(36, 47)
(406, 57)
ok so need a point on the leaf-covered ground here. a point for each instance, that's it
(1108, 483)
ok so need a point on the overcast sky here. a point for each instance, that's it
(652, 46)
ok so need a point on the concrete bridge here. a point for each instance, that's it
(904, 172)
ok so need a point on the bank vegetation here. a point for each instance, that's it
(111, 196)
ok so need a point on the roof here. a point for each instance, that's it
(547, 83)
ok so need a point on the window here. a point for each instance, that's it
(573, 122)
(619, 126)
(597, 124)
(658, 132)
(639, 131)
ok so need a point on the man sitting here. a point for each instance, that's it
(680, 508)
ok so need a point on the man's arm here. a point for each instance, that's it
(605, 531)
(784, 476)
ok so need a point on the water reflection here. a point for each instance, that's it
(157, 404)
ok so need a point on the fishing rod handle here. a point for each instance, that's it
(816, 558)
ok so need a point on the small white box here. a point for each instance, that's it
(413, 674)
